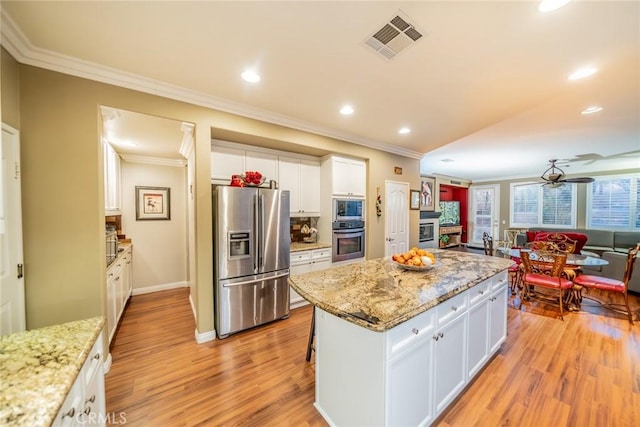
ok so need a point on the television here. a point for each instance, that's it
(449, 213)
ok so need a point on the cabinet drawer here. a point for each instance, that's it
(479, 292)
(321, 253)
(406, 333)
(300, 257)
(93, 364)
(499, 280)
(451, 308)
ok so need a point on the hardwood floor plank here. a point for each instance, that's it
(583, 371)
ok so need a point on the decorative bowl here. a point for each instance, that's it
(252, 184)
(413, 267)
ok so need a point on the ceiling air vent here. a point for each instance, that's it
(394, 36)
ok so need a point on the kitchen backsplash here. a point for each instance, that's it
(304, 229)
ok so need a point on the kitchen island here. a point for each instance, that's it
(395, 347)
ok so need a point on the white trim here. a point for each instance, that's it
(132, 158)
(17, 44)
(202, 337)
(193, 309)
(187, 139)
(157, 288)
(255, 148)
(106, 366)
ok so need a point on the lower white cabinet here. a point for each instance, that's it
(305, 262)
(426, 361)
(85, 401)
(119, 287)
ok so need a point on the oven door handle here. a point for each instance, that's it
(349, 231)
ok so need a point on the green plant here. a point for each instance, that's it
(444, 238)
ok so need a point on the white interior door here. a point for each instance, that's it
(484, 213)
(12, 310)
(396, 217)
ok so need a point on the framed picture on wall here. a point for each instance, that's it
(153, 203)
(414, 201)
(427, 194)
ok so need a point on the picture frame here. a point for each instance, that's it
(427, 193)
(153, 203)
(414, 200)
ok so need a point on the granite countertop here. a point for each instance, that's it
(39, 368)
(379, 295)
(301, 246)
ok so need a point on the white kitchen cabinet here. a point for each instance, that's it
(305, 262)
(265, 163)
(226, 162)
(119, 287)
(114, 276)
(349, 177)
(498, 313)
(479, 308)
(85, 401)
(112, 198)
(449, 357)
(302, 178)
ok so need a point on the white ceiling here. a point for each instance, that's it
(486, 86)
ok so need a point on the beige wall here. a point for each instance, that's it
(160, 247)
(63, 201)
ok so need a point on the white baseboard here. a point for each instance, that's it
(106, 366)
(156, 288)
(205, 336)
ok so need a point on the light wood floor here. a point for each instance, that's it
(583, 371)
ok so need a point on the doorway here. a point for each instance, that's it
(396, 225)
(484, 213)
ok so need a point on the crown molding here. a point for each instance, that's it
(158, 161)
(19, 46)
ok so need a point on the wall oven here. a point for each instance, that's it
(348, 210)
(348, 240)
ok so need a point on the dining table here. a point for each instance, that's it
(573, 299)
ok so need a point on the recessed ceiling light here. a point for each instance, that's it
(592, 109)
(404, 130)
(581, 73)
(447, 160)
(251, 76)
(550, 5)
(346, 110)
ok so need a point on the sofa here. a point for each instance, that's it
(612, 246)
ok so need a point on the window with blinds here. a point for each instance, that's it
(534, 205)
(612, 203)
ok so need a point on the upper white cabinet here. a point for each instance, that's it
(225, 162)
(349, 177)
(302, 178)
(265, 163)
(112, 198)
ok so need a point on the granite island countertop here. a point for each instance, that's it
(379, 295)
(301, 246)
(38, 368)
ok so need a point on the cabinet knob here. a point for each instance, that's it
(91, 399)
(87, 410)
(70, 413)
(97, 356)
(481, 292)
(454, 308)
(415, 331)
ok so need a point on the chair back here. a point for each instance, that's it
(488, 243)
(563, 242)
(543, 246)
(631, 260)
(543, 265)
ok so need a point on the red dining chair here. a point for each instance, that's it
(545, 272)
(612, 285)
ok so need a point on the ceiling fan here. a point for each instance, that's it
(555, 177)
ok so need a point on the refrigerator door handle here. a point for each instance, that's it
(254, 280)
(261, 231)
(256, 234)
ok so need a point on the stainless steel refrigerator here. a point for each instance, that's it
(251, 257)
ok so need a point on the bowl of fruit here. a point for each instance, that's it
(414, 259)
(253, 178)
